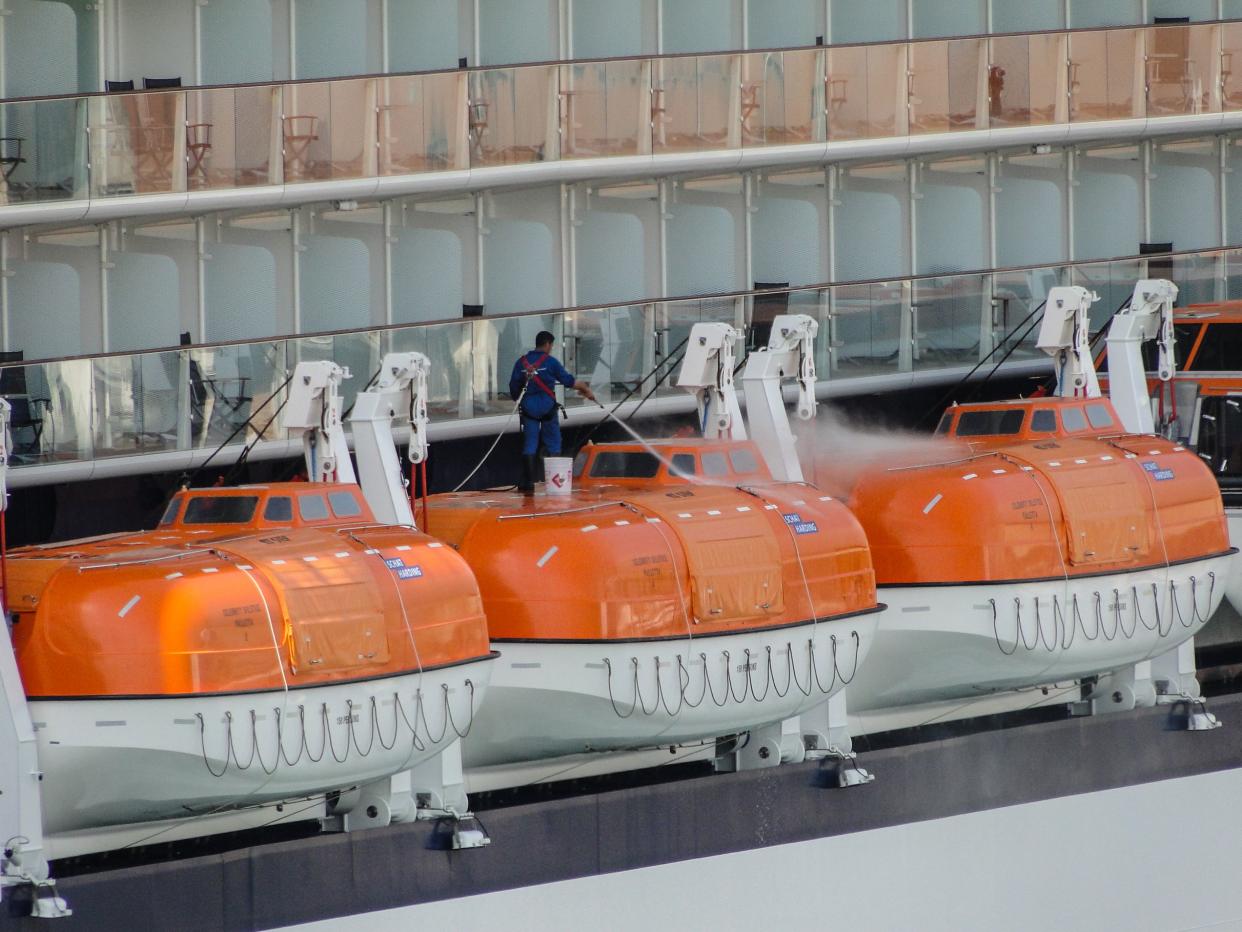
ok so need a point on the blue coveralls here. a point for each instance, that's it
(538, 406)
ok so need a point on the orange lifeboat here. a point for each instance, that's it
(1045, 544)
(673, 596)
(262, 643)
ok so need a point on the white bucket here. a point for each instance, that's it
(558, 475)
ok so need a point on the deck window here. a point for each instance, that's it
(744, 461)
(715, 464)
(946, 421)
(344, 504)
(278, 508)
(1098, 416)
(1044, 421)
(684, 464)
(312, 507)
(170, 513)
(617, 464)
(985, 423)
(1073, 419)
(220, 509)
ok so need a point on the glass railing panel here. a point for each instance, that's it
(865, 336)
(609, 349)
(604, 109)
(782, 97)
(949, 317)
(1009, 82)
(693, 103)
(863, 88)
(43, 150)
(138, 403)
(927, 85)
(420, 123)
(496, 343)
(448, 347)
(51, 411)
(228, 385)
(1232, 285)
(326, 127)
(512, 115)
(137, 143)
(229, 141)
(673, 321)
(1231, 65)
(1179, 70)
(1017, 305)
(1104, 69)
(1198, 277)
(967, 66)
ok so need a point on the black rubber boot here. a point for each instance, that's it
(527, 485)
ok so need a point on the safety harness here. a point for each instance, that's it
(532, 375)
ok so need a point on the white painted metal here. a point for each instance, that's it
(1064, 335)
(707, 373)
(314, 407)
(112, 761)
(1149, 316)
(789, 354)
(550, 699)
(400, 389)
(965, 642)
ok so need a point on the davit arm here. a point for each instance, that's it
(707, 373)
(1064, 335)
(1149, 316)
(314, 407)
(790, 353)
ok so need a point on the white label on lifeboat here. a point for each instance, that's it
(394, 563)
(792, 517)
(410, 572)
(806, 527)
(1160, 475)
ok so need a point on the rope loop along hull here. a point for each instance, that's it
(551, 699)
(954, 642)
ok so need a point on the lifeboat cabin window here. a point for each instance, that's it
(1219, 350)
(344, 504)
(1098, 416)
(170, 513)
(946, 421)
(1073, 419)
(990, 423)
(618, 464)
(278, 508)
(715, 464)
(220, 509)
(312, 507)
(744, 462)
(1044, 420)
(683, 464)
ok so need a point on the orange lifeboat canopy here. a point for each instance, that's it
(680, 537)
(241, 589)
(1037, 488)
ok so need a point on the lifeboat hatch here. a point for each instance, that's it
(734, 577)
(335, 627)
(1105, 521)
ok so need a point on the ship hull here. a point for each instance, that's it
(952, 642)
(113, 761)
(549, 699)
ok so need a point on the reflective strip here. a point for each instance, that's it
(130, 604)
(543, 560)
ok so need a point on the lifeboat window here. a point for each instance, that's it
(170, 513)
(743, 461)
(579, 464)
(715, 464)
(1045, 419)
(684, 465)
(312, 507)
(1073, 419)
(279, 508)
(344, 505)
(982, 423)
(1220, 350)
(220, 509)
(946, 421)
(615, 464)
(1098, 416)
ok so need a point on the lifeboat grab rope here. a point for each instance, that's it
(728, 691)
(1063, 633)
(328, 744)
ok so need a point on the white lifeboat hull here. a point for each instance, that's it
(940, 643)
(549, 699)
(1233, 591)
(116, 761)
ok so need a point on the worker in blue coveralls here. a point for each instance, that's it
(538, 371)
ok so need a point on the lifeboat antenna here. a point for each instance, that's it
(1064, 335)
(790, 352)
(401, 388)
(1149, 316)
(314, 407)
(707, 373)
(22, 859)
